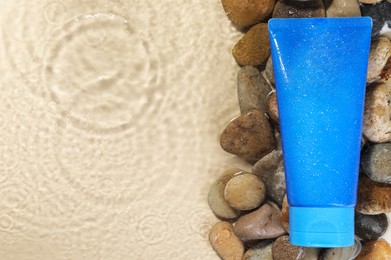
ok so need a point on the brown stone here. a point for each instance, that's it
(375, 250)
(285, 214)
(272, 108)
(299, 9)
(379, 55)
(224, 241)
(283, 250)
(373, 197)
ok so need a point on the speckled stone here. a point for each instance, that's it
(216, 200)
(375, 250)
(268, 72)
(342, 253)
(282, 249)
(224, 241)
(373, 198)
(268, 164)
(252, 90)
(285, 214)
(376, 162)
(249, 136)
(370, 227)
(380, 14)
(260, 224)
(259, 252)
(343, 8)
(299, 9)
(247, 13)
(377, 113)
(253, 48)
(245, 192)
(272, 107)
(380, 53)
(275, 183)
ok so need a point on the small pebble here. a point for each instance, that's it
(377, 113)
(342, 253)
(268, 72)
(260, 224)
(246, 13)
(275, 183)
(259, 252)
(244, 192)
(285, 214)
(254, 47)
(272, 107)
(375, 162)
(370, 227)
(299, 9)
(379, 54)
(373, 198)
(249, 136)
(252, 90)
(385, 75)
(343, 8)
(268, 164)
(282, 249)
(375, 250)
(369, 1)
(380, 14)
(224, 241)
(216, 200)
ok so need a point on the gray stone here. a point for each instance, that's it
(275, 183)
(259, 252)
(370, 227)
(268, 72)
(342, 253)
(268, 164)
(376, 162)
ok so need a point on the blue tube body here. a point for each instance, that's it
(320, 69)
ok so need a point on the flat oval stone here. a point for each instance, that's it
(252, 90)
(259, 252)
(299, 9)
(272, 107)
(216, 200)
(370, 227)
(249, 136)
(253, 48)
(343, 8)
(373, 198)
(375, 250)
(260, 224)
(375, 162)
(244, 192)
(379, 54)
(282, 249)
(377, 113)
(224, 241)
(380, 14)
(342, 253)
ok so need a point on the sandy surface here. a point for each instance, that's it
(110, 114)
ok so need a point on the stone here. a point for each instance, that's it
(377, 113)
(249, 136)
(268, 164)
(216, 200)
(373, 198)
(282, 249)
(343, 8)
(380, 14)
(260, 224)
(247, 13)
(369, 1)
(342, 253)
(375, 162)
(379, 54)
(272, 107)
(370, 227)
(385, 75)
(375, 250)
(299, 9)
(285, 214)
(224, 241)
(268, 72)
(253, 48)
(275, 183)
(259, 252)
(252, 90)
(245, 192)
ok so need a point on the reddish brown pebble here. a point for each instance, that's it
(224, 241)
(283, 250)
(379, 55)
(373, 197)
(375, 250)
(285, 214)
(254, 47)
(249, 136)
(272, 108)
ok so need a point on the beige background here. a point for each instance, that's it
(110, 114)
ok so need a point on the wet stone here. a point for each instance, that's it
(370, 227)
(260, 224)
(343, 8)
(376, 162)
(259, 252)
(380, 14)
(375, 250)
(342, 253)
(224, 241)
(379, 56)
(282, 249)
(252, 90)
(373, 198)
(299, 9)
(249, 136)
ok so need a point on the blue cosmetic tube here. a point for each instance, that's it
(320, 67)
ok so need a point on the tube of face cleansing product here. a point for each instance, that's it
(320, 67)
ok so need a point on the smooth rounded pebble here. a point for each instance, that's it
(246, 13)
(370, 227)
(275, 183)
(376, 162)
(342, 253)
(253, 48)
(252, 90)
(244, 192)
(260, 224)
(272, 107)
(373, 198)
(369, 1)
(299, 9)
(343, 8)
(224, 241)
(216, 200)
(375, 250)
(379, 54)
(268, 164)
(285, 214)
(377, 113)
(249, 136)
(282, 249)
(259, 252)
